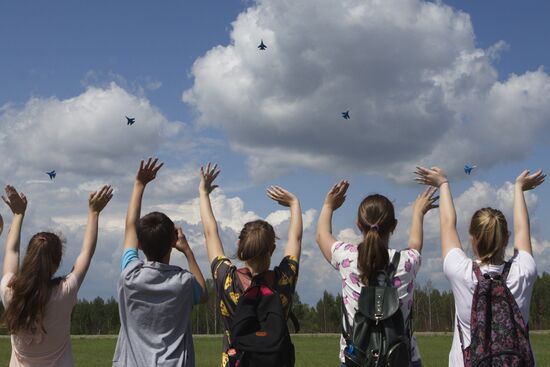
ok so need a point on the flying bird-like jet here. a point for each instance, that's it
(131, 120)
(262, 46)
(468, 169)
(345, 115)
(51, 174)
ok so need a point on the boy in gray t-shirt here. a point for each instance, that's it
(155, 298)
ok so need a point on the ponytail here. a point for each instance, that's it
(489, 229)
(373, 255)
(376, 219)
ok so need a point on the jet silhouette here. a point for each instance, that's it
(51, 174)
(345, 115)
(468, 169)
(262, 46)
(130, 120)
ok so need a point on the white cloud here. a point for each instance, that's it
(85, 135)
(417, 88)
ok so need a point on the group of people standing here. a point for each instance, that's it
(156, 298)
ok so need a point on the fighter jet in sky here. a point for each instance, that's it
(51, 174)
(345, 115)
(262, 46)
(468, 169)
(130, 120)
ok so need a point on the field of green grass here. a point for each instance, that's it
(311, 351)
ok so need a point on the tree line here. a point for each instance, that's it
(433, 310)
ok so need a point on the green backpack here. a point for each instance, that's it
(378, 336)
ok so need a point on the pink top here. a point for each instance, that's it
(54, 348)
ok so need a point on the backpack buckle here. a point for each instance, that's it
(375, 353)
(378, 317)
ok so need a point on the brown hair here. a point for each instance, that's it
(376, 220)
(156, 234)
(256, 244)
(31, 286)
(489, 230)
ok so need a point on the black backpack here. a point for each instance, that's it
(378, 336)
(259, 331)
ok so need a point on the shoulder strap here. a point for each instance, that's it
(477, 271)
(346, 328)
(244, 277)
(394, 264)
(507, 266)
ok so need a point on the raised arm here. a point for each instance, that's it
(447, 214)
(334, 199)
(214, 246)
(286, 198)
(424, 203)
(18, 205)
(522, 232)
(183, 246)
(146, 173)
(97, 201)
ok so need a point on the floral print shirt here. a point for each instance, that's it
(344, 259)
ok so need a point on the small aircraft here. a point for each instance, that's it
(51, 174)
(262, 46)
(468, 169)
(345, 115)
(130, 120)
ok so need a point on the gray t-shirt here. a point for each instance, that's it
(155, 303)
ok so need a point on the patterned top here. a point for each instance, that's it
(344, 259)
(229, 289)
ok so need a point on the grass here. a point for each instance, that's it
(311, 351)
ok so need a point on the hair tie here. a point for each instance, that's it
(375, 227)
(41, 238)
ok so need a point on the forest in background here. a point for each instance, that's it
(433, 311)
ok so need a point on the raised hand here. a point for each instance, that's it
(208, 175)
(181, 243)
(99, 199)
(17, 202)
(425, 201)
(148, 171)
(528, 182)
(337, 195)
(282, 196)
(434, 176)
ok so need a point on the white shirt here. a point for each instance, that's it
(458, 269)
(344, 259)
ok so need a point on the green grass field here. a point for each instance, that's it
(311, 351)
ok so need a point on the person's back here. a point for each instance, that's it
(155, 298)
(155, 303)
(255, 248)
(357, 263)
(37, 307)
(489, 237)
(52, 348)
(458, 269)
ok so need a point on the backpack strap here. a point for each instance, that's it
(477, 271)
(394, 265)
(507, 266)
(346, 327)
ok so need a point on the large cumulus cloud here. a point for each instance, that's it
(417, 87)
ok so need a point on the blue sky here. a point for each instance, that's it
(191, 75)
